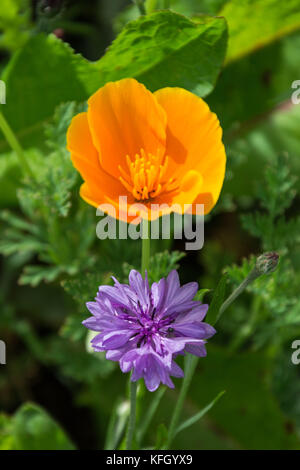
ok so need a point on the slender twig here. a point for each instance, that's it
(15, 145)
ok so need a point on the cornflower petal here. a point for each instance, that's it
(145, 328)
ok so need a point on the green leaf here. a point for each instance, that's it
(117, 424)
(6, 438)
(46, 71)
(56, 129)
(217, 300)
(84, 366)
(167, 49)
(253, 24)
(10, 174)
(161, 264)
(201, 293)
(187, 8)
(33, 275)
(266, 75)
(189, 422)
(163, 49)
(31, 428)
(161, 436)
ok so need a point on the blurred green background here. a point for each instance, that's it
(53, 392)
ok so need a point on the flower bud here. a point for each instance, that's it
(267, 262)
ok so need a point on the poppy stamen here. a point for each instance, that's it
(145, 177)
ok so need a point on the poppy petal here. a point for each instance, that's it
(194, 141)
(124, 117)
(85, 159)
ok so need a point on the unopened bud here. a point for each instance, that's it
(267, 262)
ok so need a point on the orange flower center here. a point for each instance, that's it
(145, 177)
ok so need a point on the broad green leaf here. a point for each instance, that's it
(32, 428)
(184, 47)
(270, 20)
(253, 86)
(167, 49)
(253, 24)
(6, 438)
(163, 49)
(41, 75)
(187, 8)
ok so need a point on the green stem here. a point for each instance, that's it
(189, 369)
(151, 6)
(141, 6)
(150, 413)
(167, 4)
(132, 416)
(247, 330)
(15, 145)
(254, 274)
(145, 228)
(145, 246)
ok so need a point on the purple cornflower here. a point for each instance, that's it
(146, 328)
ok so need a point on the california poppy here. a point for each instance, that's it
(162, 148)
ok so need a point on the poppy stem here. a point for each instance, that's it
(15, 145)
(145, 229)
(151, 6)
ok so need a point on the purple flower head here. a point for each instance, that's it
(145, 328)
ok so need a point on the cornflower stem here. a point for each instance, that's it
(132, 416)
(150, 413)
(15, 145)
(145, 228)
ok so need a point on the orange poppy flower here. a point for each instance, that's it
(161, 148)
